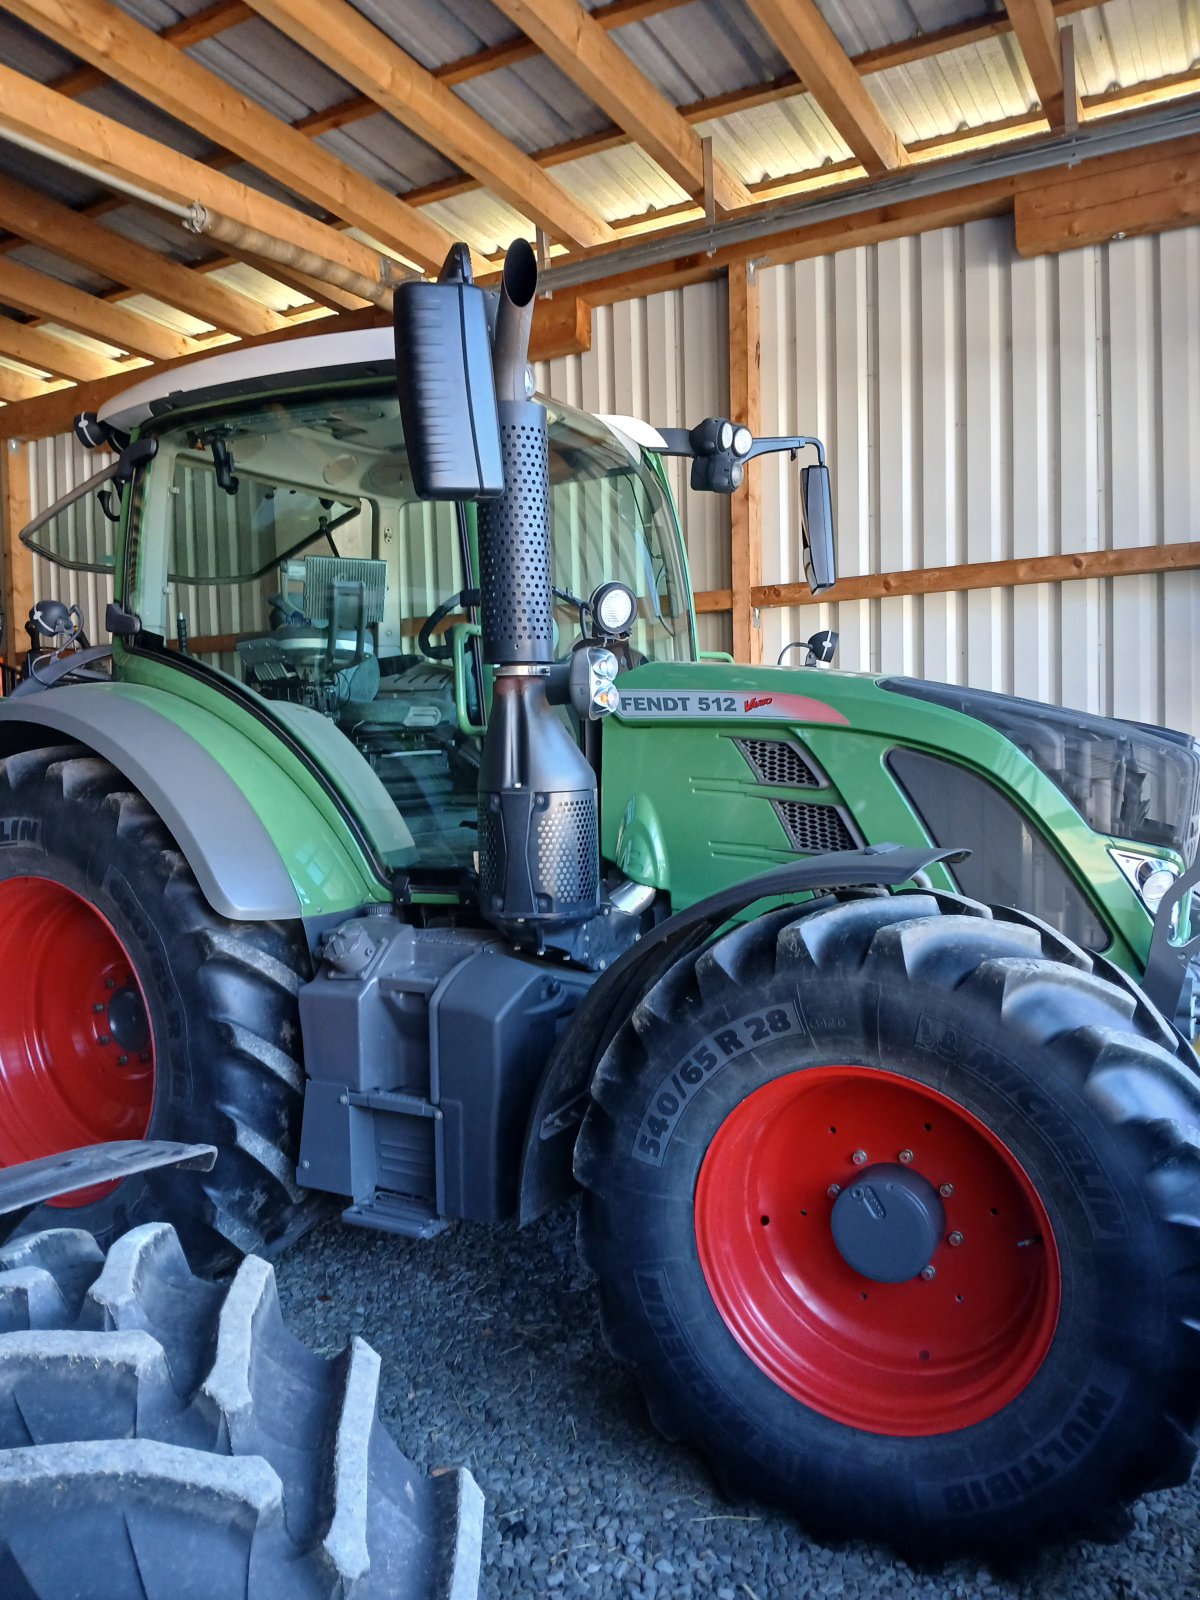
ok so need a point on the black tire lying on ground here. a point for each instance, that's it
(166, 1438)
(143, 1013)
(1034, 1366)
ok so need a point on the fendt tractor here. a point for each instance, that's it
(404, 848)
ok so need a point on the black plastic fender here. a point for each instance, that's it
(562, 1094)
(222, 837)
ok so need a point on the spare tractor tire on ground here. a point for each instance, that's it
(131, 1010)
(166, 1438)
(895, 1207)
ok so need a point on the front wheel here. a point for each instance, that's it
(894, 1206)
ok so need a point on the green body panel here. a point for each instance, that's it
(330, 871)
(681, 808)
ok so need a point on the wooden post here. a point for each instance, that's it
(17, 563)
(745, 405)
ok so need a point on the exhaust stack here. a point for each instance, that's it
(539, 840)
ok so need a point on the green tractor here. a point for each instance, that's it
(405, 848)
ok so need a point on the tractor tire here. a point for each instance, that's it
(131, 1009)
(895, 1208)
(164, 1438)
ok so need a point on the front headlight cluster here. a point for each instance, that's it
(1151, 876)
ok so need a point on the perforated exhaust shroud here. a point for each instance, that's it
(539, 849)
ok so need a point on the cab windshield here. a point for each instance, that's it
(255, 497)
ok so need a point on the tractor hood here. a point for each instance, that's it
(1126, 779)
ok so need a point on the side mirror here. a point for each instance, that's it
(446, 387)
(820, 562)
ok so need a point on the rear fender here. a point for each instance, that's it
(260, 849)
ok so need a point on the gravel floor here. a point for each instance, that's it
(492, 1358)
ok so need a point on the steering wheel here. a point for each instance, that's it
(425, 639)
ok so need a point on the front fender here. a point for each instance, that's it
(564, 1090)
(260, 850)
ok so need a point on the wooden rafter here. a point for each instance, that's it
(53, 122)
(18, 386)
(581, 49)
(1037, 34)
(34, 347)
(139, 60)
(344, 40)
(43, 221)
(814, 53)
(923, 47)
(562, 326)
(43, 296)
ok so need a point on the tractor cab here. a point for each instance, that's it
(299, 561)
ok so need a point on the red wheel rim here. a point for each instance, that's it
(76, 1049)
(927, 1356)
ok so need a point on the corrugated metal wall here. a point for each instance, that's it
(665, 359)
(977, 407)
(55, 467)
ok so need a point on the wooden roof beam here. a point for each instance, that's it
(1037, 34)
(580, 48)
(140, 60)
(40, 220)
(815, 55)
(51, 121)
(34, 347)
(43, 296)
(16, 386)
(348, 44)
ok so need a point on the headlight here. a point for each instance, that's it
(743, 439)
(614, 609)
(1151, 876)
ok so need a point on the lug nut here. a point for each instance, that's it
(946, 1190)
(98, 1009)
(122, 1061)
(928, 1272)
(105, 1039)
(955, 1238)
(906, 1156)
(110, 983)
(859, 1157)
(834, 1190)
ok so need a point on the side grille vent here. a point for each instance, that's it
(779, 762)
(813, 830)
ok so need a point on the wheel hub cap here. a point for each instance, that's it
(877, 1251)
(888, 1223)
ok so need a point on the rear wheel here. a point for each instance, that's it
(131, 1009)
(895, 1207)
